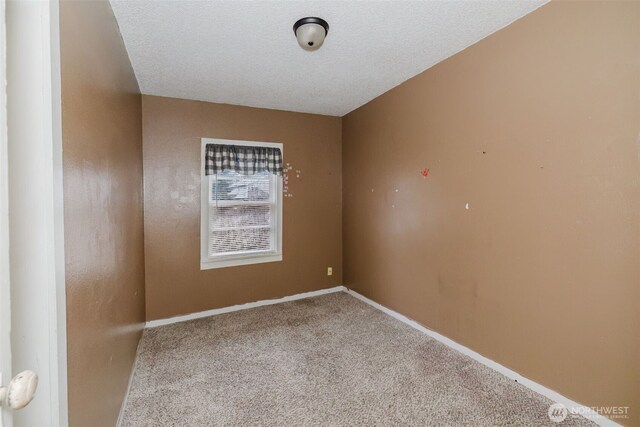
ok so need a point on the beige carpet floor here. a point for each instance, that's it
(330, 360)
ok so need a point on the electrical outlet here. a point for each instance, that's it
(329, 271)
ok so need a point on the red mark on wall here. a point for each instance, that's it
(425, 173)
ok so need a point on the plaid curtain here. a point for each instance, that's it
(244, 160)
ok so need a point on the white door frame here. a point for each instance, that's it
(36, 216)
(5, 305)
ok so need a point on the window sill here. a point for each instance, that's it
(233, 262)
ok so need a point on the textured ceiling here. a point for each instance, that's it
(245, 52)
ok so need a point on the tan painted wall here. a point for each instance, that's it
(538, 128)
(102, 143)
(312, 221)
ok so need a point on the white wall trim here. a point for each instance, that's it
(532, 385)
(58, 295)
(131, 375)
(207, 313)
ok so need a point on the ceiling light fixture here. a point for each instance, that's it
(310, 32)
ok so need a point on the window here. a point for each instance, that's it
(241, 220)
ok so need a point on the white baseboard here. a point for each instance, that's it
(126, 393)
(538, 388)
(207, 313)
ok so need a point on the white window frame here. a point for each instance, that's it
(207, 262)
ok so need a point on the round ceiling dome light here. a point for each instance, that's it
(310, 32)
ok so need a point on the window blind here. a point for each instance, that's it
(242, 212)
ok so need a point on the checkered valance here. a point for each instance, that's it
(244, 160)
